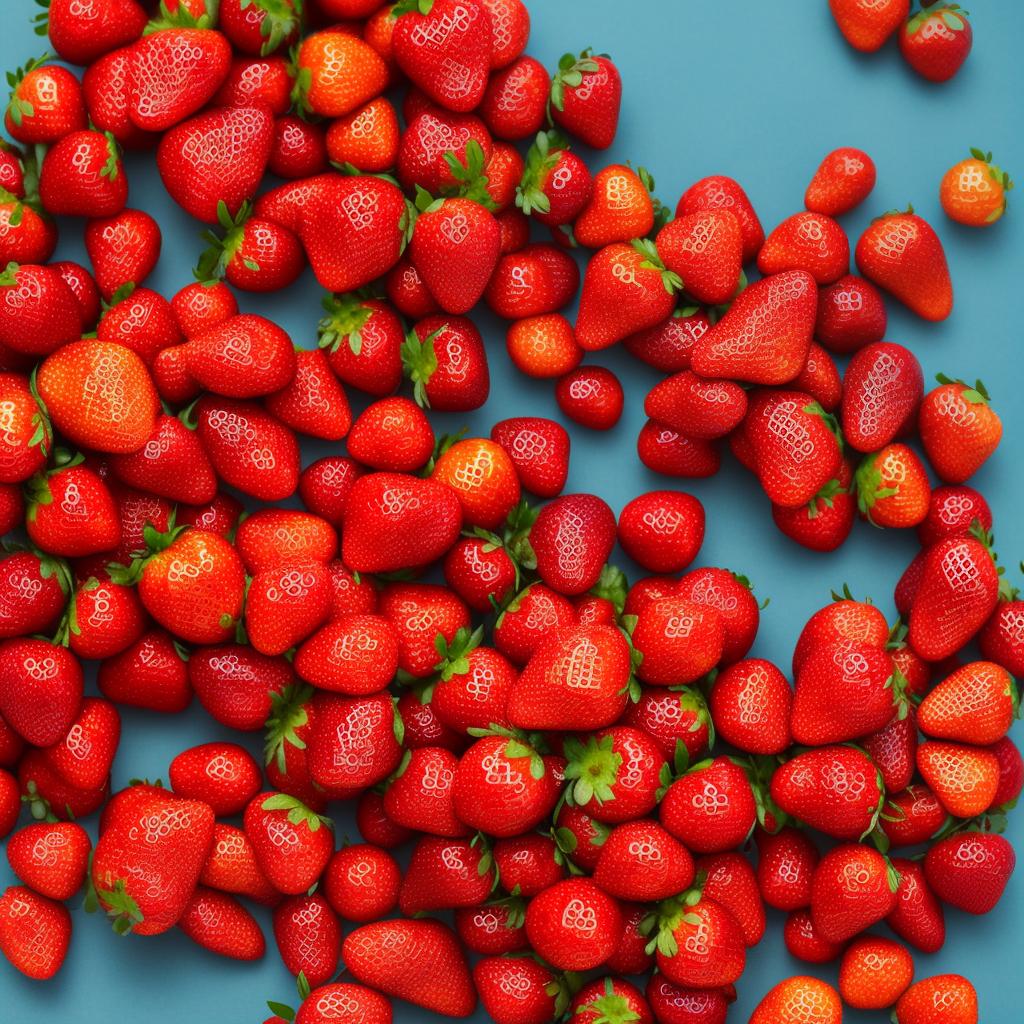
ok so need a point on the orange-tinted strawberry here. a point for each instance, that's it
(45, 105)
(619, 208)
(366, 138)
(543, 346)
(976, 704)
(959, 429)
(338, 73)
(901, 253)
(941, 999)
(844, 180)
(680, 640)
(973, 192)
(936, 41)
(808, 241)
(705, 249)
(799, 1000)
(51, 859)
(892, 487)
(964, 778)
(874, 973)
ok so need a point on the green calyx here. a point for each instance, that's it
(668, 916)
(287, 715)
(281, 20)
(610, 1007)
(9, 275)
(120, 907)
(454, 655)
(222, 248)
(612, 585)
(470, 176)
(298, 812)
(592, 769)
(18, 108)
(953, 17)
(412, 7)
(156, 541)
(562, 989)
(976, 395)
(182, 17)
(112, 167)
(825, 498)
(569, 75)
(38, 805)
(870, 486)
(671, 281)
(541, 159)
(419, 362)
(346, 316)
(997, 174)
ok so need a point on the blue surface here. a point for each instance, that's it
(761, 92)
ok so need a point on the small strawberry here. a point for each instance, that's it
(843, 180)
(543, 346)
(586, 93)
(800, 998)
(973, 192)
(722, 193)
(867, 24)
(893, 488)
(591, 396)
(662, 530)
(882, 391)
(219, 923)
(808, 241)
(664, 450)
(959, 429)
(35, 932)
(695, 406)
(308, 935)
(123, 248)
(936, 41)
(292, 844)
(151, 674)
(874, 973)
(82, 176)
(84, 755)
(556, 185)
(912, 815)
(976, 705)
(786, 864)
(77, 40)
(941, 999)
(224, 775)
(51, 859)
(750, 704)
(327, 1001)
(71, 512)
(534, 280)
(46, 103)
(619, 209)
(970, 871)
(851, 314)
(361, 883)
(445, 358)
(918, 917)
(706, 250)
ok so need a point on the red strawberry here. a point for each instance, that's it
(894, 750)
(710, 808)
(820, 378)
(352, 654)
(964, 778)
(673, 1003)
(71, 512)
(976, 704)
(666, 451)
(80, 40)
(231, 867)
(571, 539)
(662, 530)
(679, 640)
(844, 179)
(141, 320)
(150, 674)
(85, 753)
(539, 449)
(33, 591)
(620, 208)
(260, 28)
(217, 156)
(420, 795)
(515, 990)
(308, 935)
(532, 281)
(219, 923)
(446, 361)
(106, 87)
(292, 844)
(476, 697)
(918, 917)
(586, 93)
(51, 859)
(799, 996)
(337, 72)
(244, 357)
(854, 887)
(444, 874)
(970, 871)
(951, 512)
(575, 677)
(325, 1003)
(936, 41)
(812, 242)
(867, 24)
(236, 684)
(435, 145)
(787, 860)
(224, 775)
(35, 932)
(556, 185)
(668, 346)
(705, 249)
(943, 998)
(696, 407)
(361, 883)
(573, 925)
(882, 390)
(591, 396)
(273, 537)
(721, 193)
(38, 311)
(750, 704)
(26, 436)
(46, 104)
(765, 335)
(419, 961)
(913, 815)
(851, 314)
(959, 429)
(122, 249)
(901, 253)
(82, 176)
(843, 619)
(640, 860)
(353, 230)
(836, 790)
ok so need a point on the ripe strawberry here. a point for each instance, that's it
(291, 843)
(668, 346)
(273, 537)
(970, 871)
(913, 814)
(106, 88)
(893, 488)
(353, 230)
(844, 179)
(867, 24)
(556, 185)
(224, 775)
(476, 697)
(571, 538)
(122, 249)
(698, 942)
(640, 860)
(84, 755)
(666, 451)
(367, 138)
(539, 449)
(231, 867)
(573, 925)
(71, 512)
(619, 209)
(836, 790)
(851, 314)
(26, 437)
(236, 684)
(696, 407)
(765, 335)
(808, 241)
(1001, 638)
(81, 283)
(918, 917)
(446, 361)
(874, 973)
(854, 887)
(941, 999)
(419, 961)
(662, 530)
(361, 883)
(534, 280)
(959, 429)
(445, 874)
(799, 998)
(672, 1003)
(420, 794)
(308, 935)
(151, 673)
(516, 990)
(435, 148)
(964, 778)
(901, 253)
(352, 654)
(35, 932)
(420, 612)
(586, 93)
(82, 176)
(787, 860)
(750, 705)
(577, 675)
(936, 41)
(79, 40)
(326, 1002)
(602, 998)
(33, 592)
(882, 391)
(705, 249)
(820, 378)
(591, 396)
(976, 705)
(680, 640)
(844, 619)
(219, 923)
(50, 859)
(483, 477)
(793, 441)
(364, 340)
(215, 157)
(973, 192)
(719, 192)
(171, 464)
(337, 72)
(202, 304)
(45, 105)
(259, 28)
(710, 808)
(543, 346)
(99, 395)
(38, 313)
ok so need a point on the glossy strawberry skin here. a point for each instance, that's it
(572, 538)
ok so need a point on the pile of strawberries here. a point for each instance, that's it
(576, 766)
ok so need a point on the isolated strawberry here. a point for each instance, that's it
(586, 93)
(882, 391)
(844, 178)
(959, 429)
(662, 530)
(970, 871)
(45, 105)
(591, 396)
(35, 932)
(893, 488)
(765, 335)
(936, 41)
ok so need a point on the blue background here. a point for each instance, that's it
(754, 90)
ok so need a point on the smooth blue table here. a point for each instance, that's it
(761, 92)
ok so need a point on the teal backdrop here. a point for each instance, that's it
(760, 91)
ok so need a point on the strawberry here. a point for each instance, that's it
(892, 487)
(672, 1003)
(804, 942)
(33, 591)
(420, 796)
(854, 887)
(666, 451)
(527, 863)
(84, 755)
(419, 961)
(662, 530)
(820, 378)
(573, 925)
(799, 998)
(220, 516)
(577, 676)
(882, 391)
(808, 241)
(913, 815)
(918, 917)
(106, 88)
(619, 209)
(843, 180)
(38, 313)
(50, 859)
(446, 361)
(79, 39)
(696, 407)
(220, 924)
(352, 654)
(1001, 639)
(250, 449)
(81, 283)
(825, 522)
(326, 1002)
(324, 486)
(941, 999)
(591, 396)
(836, 790)
(705, 249)
(99, 395)
(976, 705)
(273, 537)
(26, 437)
(337, 73)
(586, 93)
(483, 477)
(626, 288)
(936, 41)
(787, 860)
(82, 176)
(750, 704)
(964, 778)
(970, 871)
(142, 321)
(719, 192)
(308, 935)
(224, 775)
(867, 24)
(353, 230)
(534, 280)
(901, 253)
(46, 104)
(419, 612)
(259, 28)
(299, 149)
(640, 860)
(123, 248)
(291, 843)
(543, 346)
(730, 881)
(35, 932)
(539, 449)
(851, 314)
(679, 641)
(245, 356)
(475, 698)
(711, 807)
(843, 619)
(874, 973)
(957, 592)
(445, 874)
(959, 429)
(973, 192)
(765, 335)
(434, 151)
(571, 538)
(231, 867)
(557, 186)
(361, 883)
(364, 340)
(147, 860)
(796, 450)
(71, 512)
(151, 673)
(215, 157)
(515, 990)
(367, 138)
(528, 618)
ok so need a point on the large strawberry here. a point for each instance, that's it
(291, 843)
(765, 335)
(71, 512)
(337, 72)
(245, 356)
(970, 871)
(882, 390)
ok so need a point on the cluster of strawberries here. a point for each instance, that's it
(538, 731)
